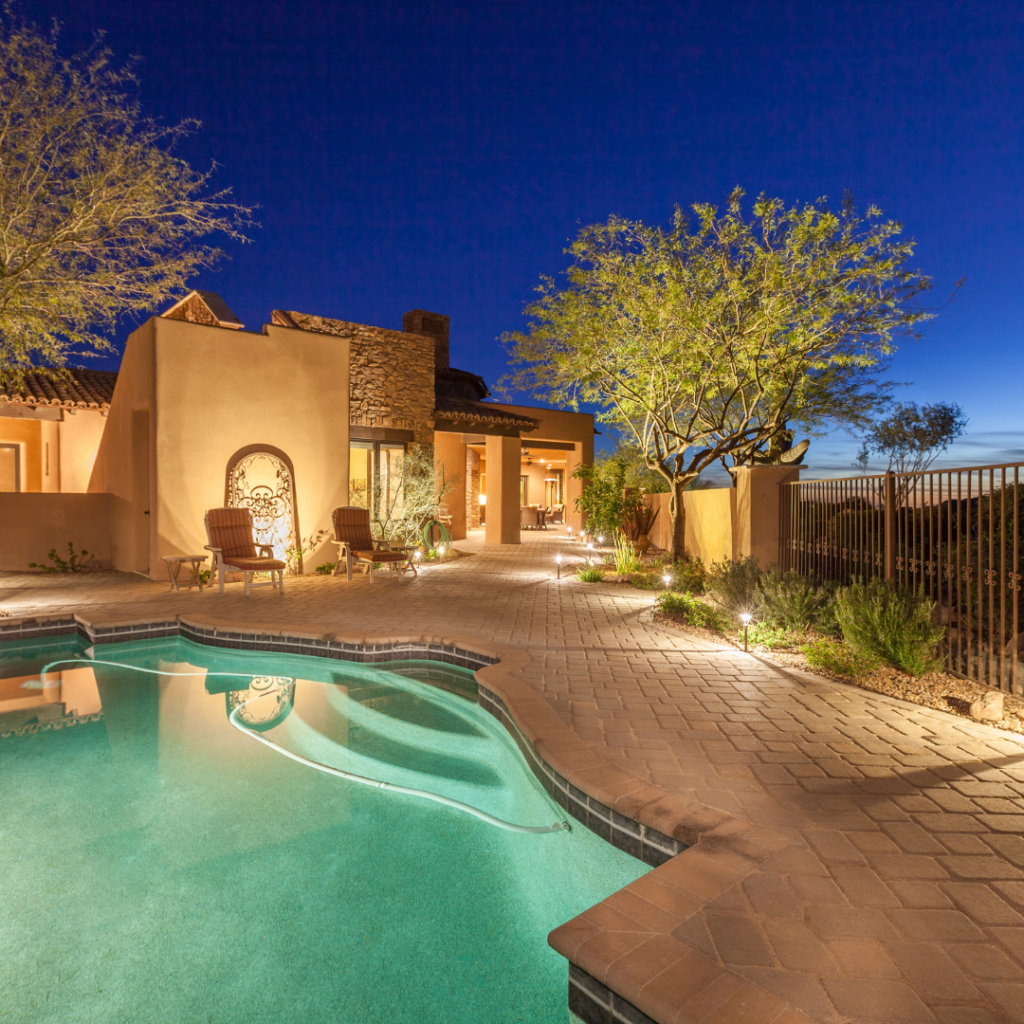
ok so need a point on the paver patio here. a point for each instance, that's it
(863, 858)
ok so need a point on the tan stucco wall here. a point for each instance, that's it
(391, 382)
(35, 523)
(710, 516)
(757, 511)
(208, 392)
(124, 460)
(80, 434)
(450, 452)
(730, 522)
(557, 425)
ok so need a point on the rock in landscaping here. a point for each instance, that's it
(988, 708)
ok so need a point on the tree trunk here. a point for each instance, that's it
(677, 513)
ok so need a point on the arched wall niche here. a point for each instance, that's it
(261, 478)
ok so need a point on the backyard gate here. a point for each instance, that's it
(955, 534)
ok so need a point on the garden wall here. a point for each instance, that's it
(709, 523)
(32, 524)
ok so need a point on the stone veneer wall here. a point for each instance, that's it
(391, 375)
(472, 488)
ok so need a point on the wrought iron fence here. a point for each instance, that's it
(955, 534)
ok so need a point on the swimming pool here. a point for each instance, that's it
(159, 864)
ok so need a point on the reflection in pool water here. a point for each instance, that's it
(159, 865)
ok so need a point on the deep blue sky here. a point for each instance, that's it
(441, 155)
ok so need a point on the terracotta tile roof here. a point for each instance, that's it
(481, 412)
(77, 389)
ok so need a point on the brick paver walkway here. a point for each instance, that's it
(900, 894)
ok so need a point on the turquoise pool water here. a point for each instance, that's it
(157, 864)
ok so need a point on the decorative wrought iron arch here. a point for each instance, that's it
(261, 478)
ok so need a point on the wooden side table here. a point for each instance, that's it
(174, 564)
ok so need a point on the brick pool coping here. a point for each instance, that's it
(625, 964)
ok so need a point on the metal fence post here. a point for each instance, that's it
(890, 525)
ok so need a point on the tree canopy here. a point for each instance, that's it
(98, 217)
(912, 437)
(700, 340)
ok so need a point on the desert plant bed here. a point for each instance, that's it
(942, 691)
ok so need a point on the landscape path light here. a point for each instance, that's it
(745, 619)
(590, 553)
(558, 562)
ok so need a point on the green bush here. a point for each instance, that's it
(690, 574)
(734, 585)
(589, 574)
(325, 570)
(761, 634)
(890, 624)
(693, 611)
(837, 658)
(794, 602)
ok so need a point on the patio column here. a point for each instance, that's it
(450, 452)
(504, 458)
(574, 488)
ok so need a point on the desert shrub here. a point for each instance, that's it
(837, 658)
(890, 624)
(693, 611)
(734, 585)
(795, 602)
(626, 559)
(325, 569)
(80, 561)
(761, 634)
(589, 573)
(690, 574)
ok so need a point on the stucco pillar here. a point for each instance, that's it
(450, 453)
(756, 521)
(504, 457)
(574, 488)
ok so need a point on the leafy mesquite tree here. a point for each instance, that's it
(701, 340)
(912, 437)
(98, 218)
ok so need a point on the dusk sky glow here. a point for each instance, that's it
(441, 155)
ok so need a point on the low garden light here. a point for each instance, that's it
(568, 530)
(745, 619)
(558, 562)
(600, 540)
(590, 552)
(667, 580)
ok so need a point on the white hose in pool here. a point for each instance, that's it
(558, 826)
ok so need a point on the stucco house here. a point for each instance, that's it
(294, 420)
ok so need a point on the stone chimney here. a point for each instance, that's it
(419, 321)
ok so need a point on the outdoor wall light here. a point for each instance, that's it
(558, 562)
(745, 619)
(482, 499)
